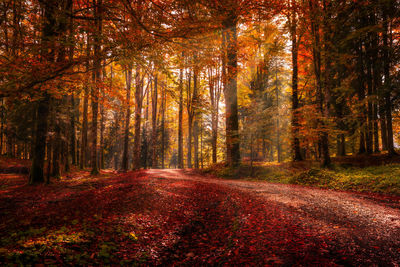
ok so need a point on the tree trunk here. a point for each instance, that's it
(84, 137)
(163, 105)
(154, 102)
(189, 108)
(232, 121)
(72, 114)
(138, 119)
(321, 97)
(125, 154)
(295, 99)
(195, 122)
(189, 142)
(215, 92)
(2, 110)
(102, 120)
(48, 50)
(96, 87)
(278, 132)
(370, 125)
(180, 121)
(387, 83)
(36, 174)
(56, 143)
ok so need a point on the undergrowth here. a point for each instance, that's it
(377, 179)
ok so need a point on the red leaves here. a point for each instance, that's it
(135, 218)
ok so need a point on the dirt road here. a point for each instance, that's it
(365, 227)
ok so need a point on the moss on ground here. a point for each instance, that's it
(377, 179)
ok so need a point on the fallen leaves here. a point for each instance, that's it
(132, 218)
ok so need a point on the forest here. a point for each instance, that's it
(122, 121)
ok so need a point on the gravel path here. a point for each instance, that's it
(362, 225)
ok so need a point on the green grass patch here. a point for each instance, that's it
(378, 179)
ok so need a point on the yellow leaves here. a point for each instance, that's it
(133, 236)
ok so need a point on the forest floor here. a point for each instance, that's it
(177, 217)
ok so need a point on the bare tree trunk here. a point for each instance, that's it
(102, 120)
(125, 154)
(180, 121)
(387, 84)
(278, 132)
(215, 93)
(56, 142)
(201, 144)
(232, 121)
(154, 102)
(369, 131)
(2, 111)
(84, 137)
(295, 99)
(321, 98)
(36, 174)
(196, 122)
(189, 107)
(95, 88)
(138, 120)
(49, 161)
(48, 50)
(163, 105)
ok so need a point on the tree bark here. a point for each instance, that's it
(96, 88)
(48, 52)
(230, 90)
(180, 121)
(36, 174)
(84, 137)
(125, 153)
(387, 83)
(321, 92)
(138, 119)
(295, 99)
(163, 105)
(195, 122)
(154, 102)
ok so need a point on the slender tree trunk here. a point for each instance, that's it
(201, 144)
(295, 99)
(180, 121)
(2, 126)
(215, 90)
(49, 162)
(138, 120)
(370, 125)
(196, 121)
(189, 142)
(154, 138)
(163, 105)
(125, 154)
(102, 120)
(190, 113)
(72, 114)
(95, 89)
(56, 144)
(196, 142)
(323, 134)
(278, 132)
(232, 121)
(387, 83)
(84, 137)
